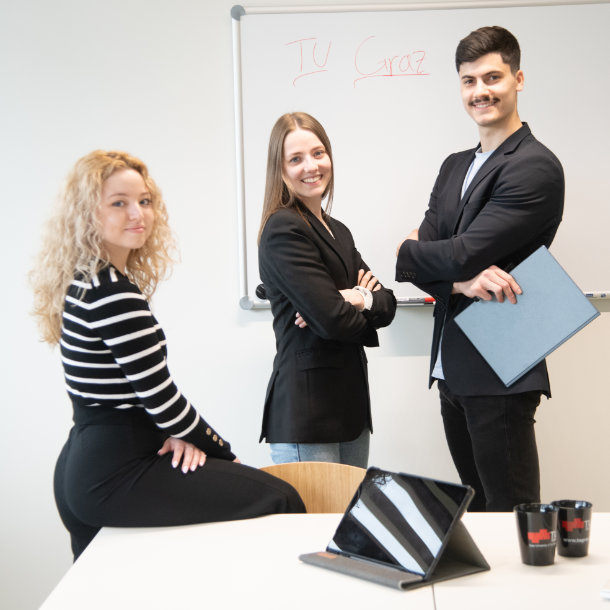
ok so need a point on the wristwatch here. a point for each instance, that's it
(367, 295)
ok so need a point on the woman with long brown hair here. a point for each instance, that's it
(326, 306)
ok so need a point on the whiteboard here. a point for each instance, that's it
(384, 85)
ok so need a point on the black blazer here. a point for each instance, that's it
(318, 391)
(513, 205)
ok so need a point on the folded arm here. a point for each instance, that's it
(524, 208)
(291, 262)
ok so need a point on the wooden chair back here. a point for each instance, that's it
(325, 487)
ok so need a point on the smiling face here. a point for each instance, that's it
(306, 167)
(489, 93)
(125, 214)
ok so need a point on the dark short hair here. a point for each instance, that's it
(489, 39)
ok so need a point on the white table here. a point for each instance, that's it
(234, 565)
(254, 563)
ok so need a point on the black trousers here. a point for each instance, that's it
(493, 445)
(111, 475)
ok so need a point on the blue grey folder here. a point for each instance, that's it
(515, 337)
(403, 531)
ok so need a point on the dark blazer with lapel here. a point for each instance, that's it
(513, 205)
(318, 391)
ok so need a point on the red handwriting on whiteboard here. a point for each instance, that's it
(409, 64)
(311, 59)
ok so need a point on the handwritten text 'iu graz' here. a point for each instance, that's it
(313, 58)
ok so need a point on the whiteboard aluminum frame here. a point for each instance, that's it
(238, 11)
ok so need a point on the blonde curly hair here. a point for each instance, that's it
(72, 241)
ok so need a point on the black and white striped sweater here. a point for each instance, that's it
(114, 357)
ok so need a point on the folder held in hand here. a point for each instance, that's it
(515, 337)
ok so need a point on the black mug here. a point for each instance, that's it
(537, 529)
(573, 527)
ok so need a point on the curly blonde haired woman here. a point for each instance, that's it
(105, 249)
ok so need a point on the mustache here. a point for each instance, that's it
(484, 98)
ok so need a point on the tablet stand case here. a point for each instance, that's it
(460, 557)
(414, 525)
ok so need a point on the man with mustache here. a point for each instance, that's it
(490, 208)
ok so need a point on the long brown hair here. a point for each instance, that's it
(277, 194)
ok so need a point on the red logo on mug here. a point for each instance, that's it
(537, 537)
(576, 524)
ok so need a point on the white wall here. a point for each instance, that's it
(155, 78)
